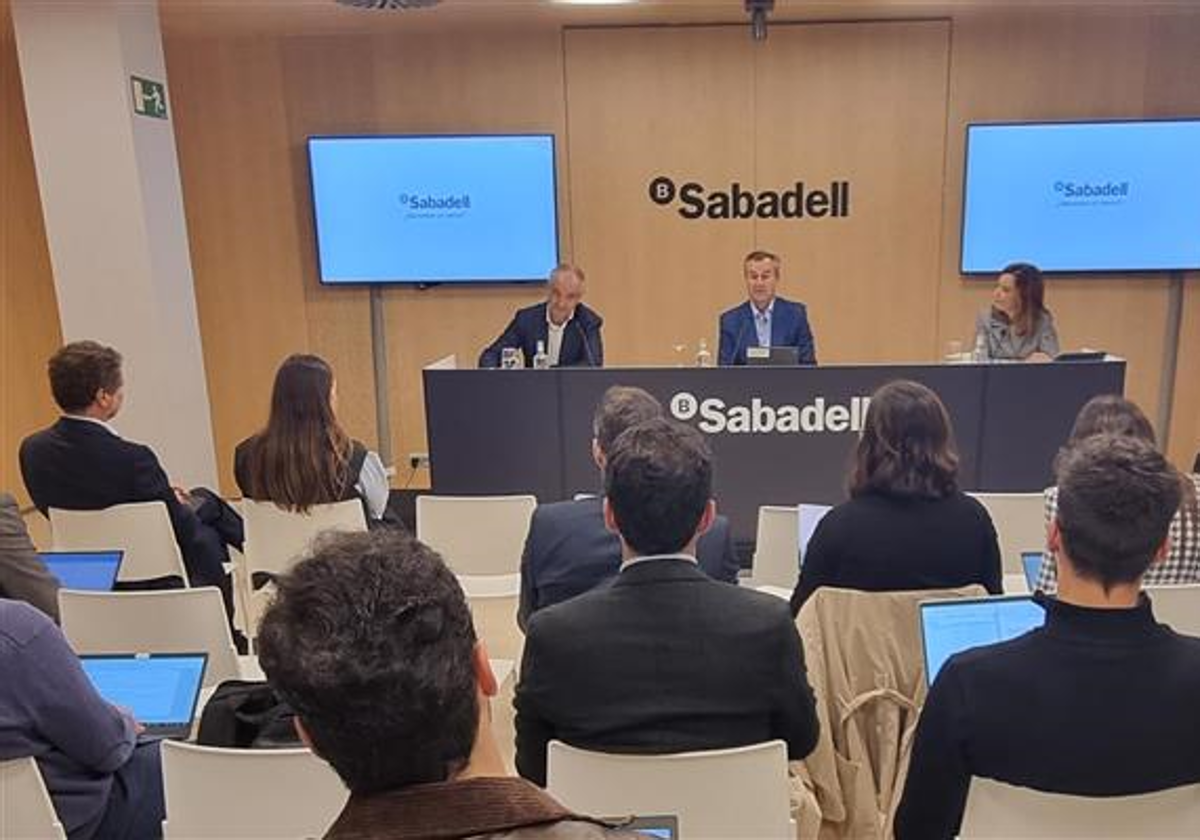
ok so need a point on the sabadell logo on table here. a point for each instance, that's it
(715, 417)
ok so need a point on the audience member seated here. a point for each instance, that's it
(370, 641)
(1102, 700)
(664, 659)
(23, 576)
(103, 783)
(907, 526)
(303, 457)
(569, 551)
(80, 463)
(1114, 415)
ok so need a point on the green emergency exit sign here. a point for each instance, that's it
(149, 98)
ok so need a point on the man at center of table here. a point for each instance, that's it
(765, 320)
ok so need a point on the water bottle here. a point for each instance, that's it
(980, 353)
(540, 360)
(703, 357)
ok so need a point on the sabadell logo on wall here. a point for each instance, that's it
(818, 417)
(696, 201)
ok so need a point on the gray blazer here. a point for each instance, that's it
(1003, 343)
(23, 576)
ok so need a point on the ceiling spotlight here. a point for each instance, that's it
(758, 17)
(389, 4)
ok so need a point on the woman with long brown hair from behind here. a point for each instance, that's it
(304, 457)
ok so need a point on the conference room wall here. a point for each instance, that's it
(29, 329)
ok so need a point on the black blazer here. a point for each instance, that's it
(581, 343)
(569, 551)
(80, 465)
(1095, 703)
(663, 660)
(881, 543)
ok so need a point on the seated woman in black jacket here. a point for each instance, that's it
(907, 526)
(303, 458)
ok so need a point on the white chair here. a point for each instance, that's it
(157, 621)
(476, 535)
(1020, 520)
(276, 538)
(26, 811)
(740, 792)
(776, 547)
(493, 600)
(142, 530)
(997, 810)
(212, 792)
(1177, 606)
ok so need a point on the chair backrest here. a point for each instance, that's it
(142, 530)
(741, 792)
(1020, 520)
(997, 810)
(158, 621)
(1177, 606)
(776, 547)
(275, 537)
(214, 792)
(26, 810)
(477, 535)
(493, 600)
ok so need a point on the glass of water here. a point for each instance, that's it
(510, 358)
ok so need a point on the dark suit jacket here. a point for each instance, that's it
(80, 465)
(569, 551)
(789, 328)
(581, 343)
(663, 660)
(23, 576)
(1095, 703)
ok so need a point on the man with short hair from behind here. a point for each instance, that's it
(370, 641)
(664, 659)
(1102, 700)
(569, 550)
(81, 463)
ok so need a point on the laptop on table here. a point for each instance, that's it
(1031, 565)
(94, 571)
(951, 626)
(773, 356)
(160, 689)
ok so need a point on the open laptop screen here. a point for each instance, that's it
(89, 570)
(659, 827)
(159, 689)
(1031, 564)
(948, 627)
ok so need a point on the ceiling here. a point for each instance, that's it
(284, 17)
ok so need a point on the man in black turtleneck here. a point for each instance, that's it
(1102, 700)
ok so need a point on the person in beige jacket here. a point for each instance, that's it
(23, 576)
(370, 641)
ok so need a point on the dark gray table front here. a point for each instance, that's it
(527, 431)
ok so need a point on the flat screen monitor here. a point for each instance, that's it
(951, 626)
(1082, 196)
(94, 571)
(431, 210)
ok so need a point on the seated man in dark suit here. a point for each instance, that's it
(23, 575)
(568, 332)
(569, 551)
(665, 659)
(764, 320)
(1102, 700)
(80, 463)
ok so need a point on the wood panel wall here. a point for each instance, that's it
(29, 330)
(886, 103)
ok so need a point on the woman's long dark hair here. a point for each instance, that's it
(1031, 291)
(301, 459)
(907, 445)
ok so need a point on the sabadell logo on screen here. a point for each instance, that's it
(696, 201)
(760, 418)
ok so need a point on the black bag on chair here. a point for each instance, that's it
(248, 715)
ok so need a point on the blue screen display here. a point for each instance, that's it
(948, 627)
(1116, 196)
(434, 209)
(157, 689)
(88, 570)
